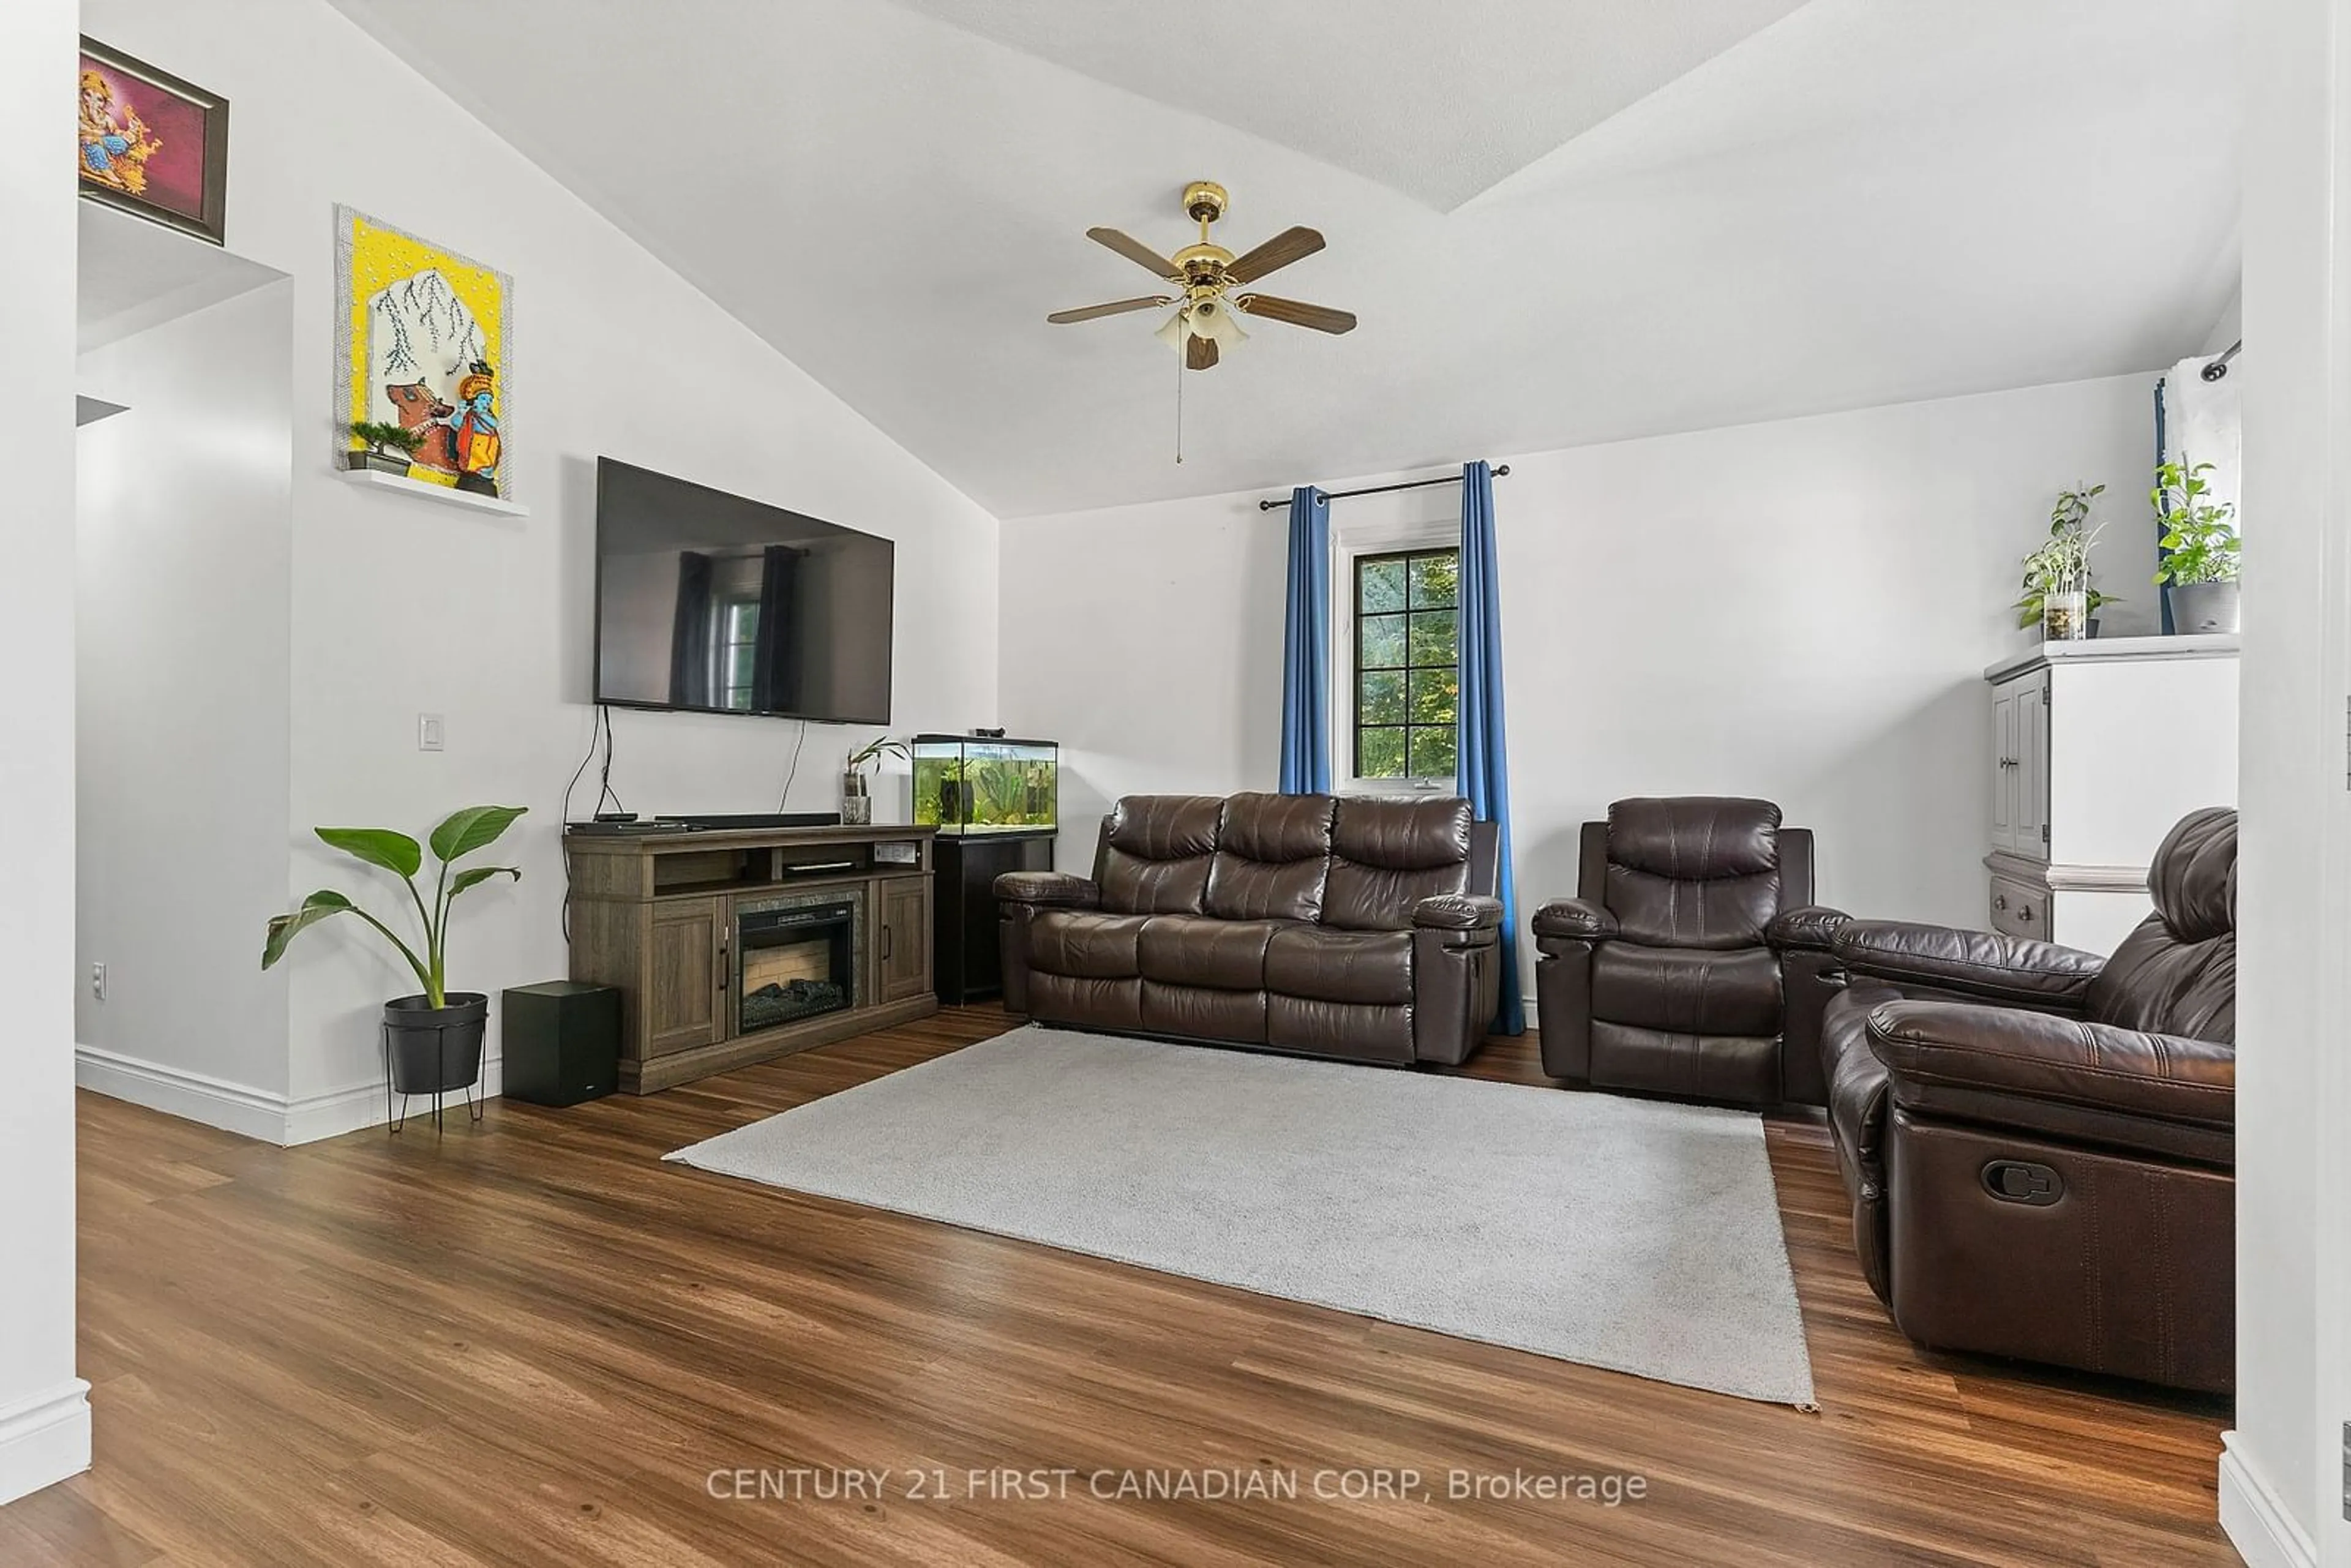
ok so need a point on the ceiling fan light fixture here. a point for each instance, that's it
(1205, 321)
(1213, 319)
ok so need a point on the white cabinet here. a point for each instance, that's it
(2097, 748)
(2019, 793)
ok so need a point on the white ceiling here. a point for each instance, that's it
(1438, 101)
(1561, 221)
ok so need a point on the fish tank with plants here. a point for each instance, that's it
(981, 784)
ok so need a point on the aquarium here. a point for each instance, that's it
(975, 784)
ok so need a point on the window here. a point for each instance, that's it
(1407, 681)
(738, 655)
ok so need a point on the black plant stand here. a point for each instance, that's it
(473, 1103)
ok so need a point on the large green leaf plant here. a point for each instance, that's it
(466, 831)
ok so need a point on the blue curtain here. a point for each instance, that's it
(1484, 761)
(1306, 648)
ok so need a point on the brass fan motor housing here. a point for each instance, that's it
(1206, 201)
(1203, 262)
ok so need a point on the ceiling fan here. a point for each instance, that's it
(1207, 274)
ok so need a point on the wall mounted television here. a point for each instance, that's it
(707, 602)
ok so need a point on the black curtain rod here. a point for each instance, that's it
(1501, 472)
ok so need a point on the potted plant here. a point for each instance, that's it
(856, 798)
(389, 446)
(434, 1037)
(2200, 542)
(2057, 590)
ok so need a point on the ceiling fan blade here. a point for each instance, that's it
(1289, 246)
(1321, 318)
(1135, 251)
(1115, 308)
(1200, 353)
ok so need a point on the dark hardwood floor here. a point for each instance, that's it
(532, 1343)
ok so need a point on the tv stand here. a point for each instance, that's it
(732, 946)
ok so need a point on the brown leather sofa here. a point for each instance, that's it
(2039, 1143)
(1692, 963)
(1351, 927)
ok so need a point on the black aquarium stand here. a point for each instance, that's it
(967, 950)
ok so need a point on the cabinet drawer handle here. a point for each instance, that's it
(2025, 913)
(724, 968)
(885, 944)
(2000, 900)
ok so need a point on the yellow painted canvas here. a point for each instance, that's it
(425, 346)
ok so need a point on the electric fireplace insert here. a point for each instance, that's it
(794, 962)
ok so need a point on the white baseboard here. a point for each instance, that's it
(241, 1108)
(44, 1439)
(175, 1091)
(2256, 1523)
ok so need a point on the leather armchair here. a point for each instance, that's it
(1692, 962)
(2039, 1143)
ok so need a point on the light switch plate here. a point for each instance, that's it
(430, 734)
(98, 992)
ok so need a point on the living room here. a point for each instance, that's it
(1690, 398)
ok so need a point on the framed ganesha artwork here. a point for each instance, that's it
(151, 143)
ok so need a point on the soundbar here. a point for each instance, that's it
(717, 822)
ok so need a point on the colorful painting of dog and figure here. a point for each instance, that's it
(424, 358)
(151, 144)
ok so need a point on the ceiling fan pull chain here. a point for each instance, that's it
(1179, 410)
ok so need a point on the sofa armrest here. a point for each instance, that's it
(1975, 964)
(2017, 1054)
(1808, 927)
(1457, 912)
(1576, 918)
(1050, 889)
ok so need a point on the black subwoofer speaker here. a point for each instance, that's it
(562, 1042)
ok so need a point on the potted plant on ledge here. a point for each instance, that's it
(2201, 545)
(390, 447)
(434, 1037)
(2057, 591)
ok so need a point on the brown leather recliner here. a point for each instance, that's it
(2039, 1143)
(1359, 929)
(1692, 963)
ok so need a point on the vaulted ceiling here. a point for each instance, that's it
(1561, 221)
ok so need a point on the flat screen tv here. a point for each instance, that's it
(707, 602)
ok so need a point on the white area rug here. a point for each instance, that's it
(1625, 1234)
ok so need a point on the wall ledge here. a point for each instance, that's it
(447, 495)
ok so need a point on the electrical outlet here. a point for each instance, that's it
(98, 981)
(429, 736)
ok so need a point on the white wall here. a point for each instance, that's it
(184, 555)
(2281, 1485)
(402, 607)
(1800, 610)
(2229, 328)
(44, 1417)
